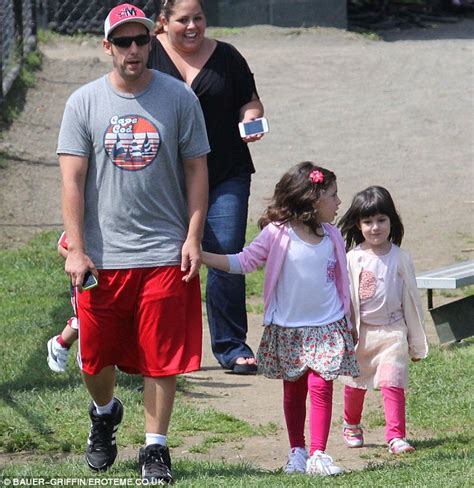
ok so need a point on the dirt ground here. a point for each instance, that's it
(397, 112)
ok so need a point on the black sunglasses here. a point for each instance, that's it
(140, 40)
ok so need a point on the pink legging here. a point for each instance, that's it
(393, 404)
(294, 407)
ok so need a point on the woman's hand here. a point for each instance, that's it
(252, 138)
(251, 111)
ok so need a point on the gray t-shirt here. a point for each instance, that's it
(135, 196)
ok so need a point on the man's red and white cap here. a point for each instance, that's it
(123, 13)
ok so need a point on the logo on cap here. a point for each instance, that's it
(127, 11)
(124, 13)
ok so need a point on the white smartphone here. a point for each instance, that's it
(257, 126)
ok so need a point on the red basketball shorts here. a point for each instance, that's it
(145, 321)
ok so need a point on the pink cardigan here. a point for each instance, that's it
(270, 247)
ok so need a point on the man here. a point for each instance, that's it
(132, 151)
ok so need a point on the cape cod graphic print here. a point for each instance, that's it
(131, 141)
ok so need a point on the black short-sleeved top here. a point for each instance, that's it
(224, 84)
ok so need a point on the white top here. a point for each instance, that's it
(380, 288)
(306, 293)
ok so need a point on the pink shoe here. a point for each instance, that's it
(399, 446)
(353, 435)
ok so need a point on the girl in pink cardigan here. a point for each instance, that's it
(307, 341)
(387, 314)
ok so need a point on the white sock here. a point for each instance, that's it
(151, 438)
(105, 409)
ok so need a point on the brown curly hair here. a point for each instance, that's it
(295, 196)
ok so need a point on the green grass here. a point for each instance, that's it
(465, 291)
(43, 413)
(15, 99)
(220, 32)
(46, 36)
(441, 391)
(468, 291)
(4, 157)
(437, 467)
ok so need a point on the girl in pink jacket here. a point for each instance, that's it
(307, 341)
(387, 314)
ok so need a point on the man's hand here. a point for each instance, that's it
(76, 266)
(190, 259)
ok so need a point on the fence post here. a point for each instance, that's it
(211, 8)
(18, 11)
(41, 8)
(271, 16)
(34, 17)
(156, 7)
(1, 68)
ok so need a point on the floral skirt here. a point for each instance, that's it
(288, 352)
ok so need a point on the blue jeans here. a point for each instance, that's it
(224, 233)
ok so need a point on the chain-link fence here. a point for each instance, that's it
(71, 16)
(17, 39)
(19, 19)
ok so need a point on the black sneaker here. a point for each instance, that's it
(101, 448)
(155, 465)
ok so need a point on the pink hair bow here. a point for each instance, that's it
(316, 176)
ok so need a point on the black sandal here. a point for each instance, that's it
(244, 369)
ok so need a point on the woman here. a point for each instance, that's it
(224, 84)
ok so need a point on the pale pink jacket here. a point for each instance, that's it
(269, 248)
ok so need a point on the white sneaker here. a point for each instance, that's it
(321, 464)
(297, 457)
(57, 355)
